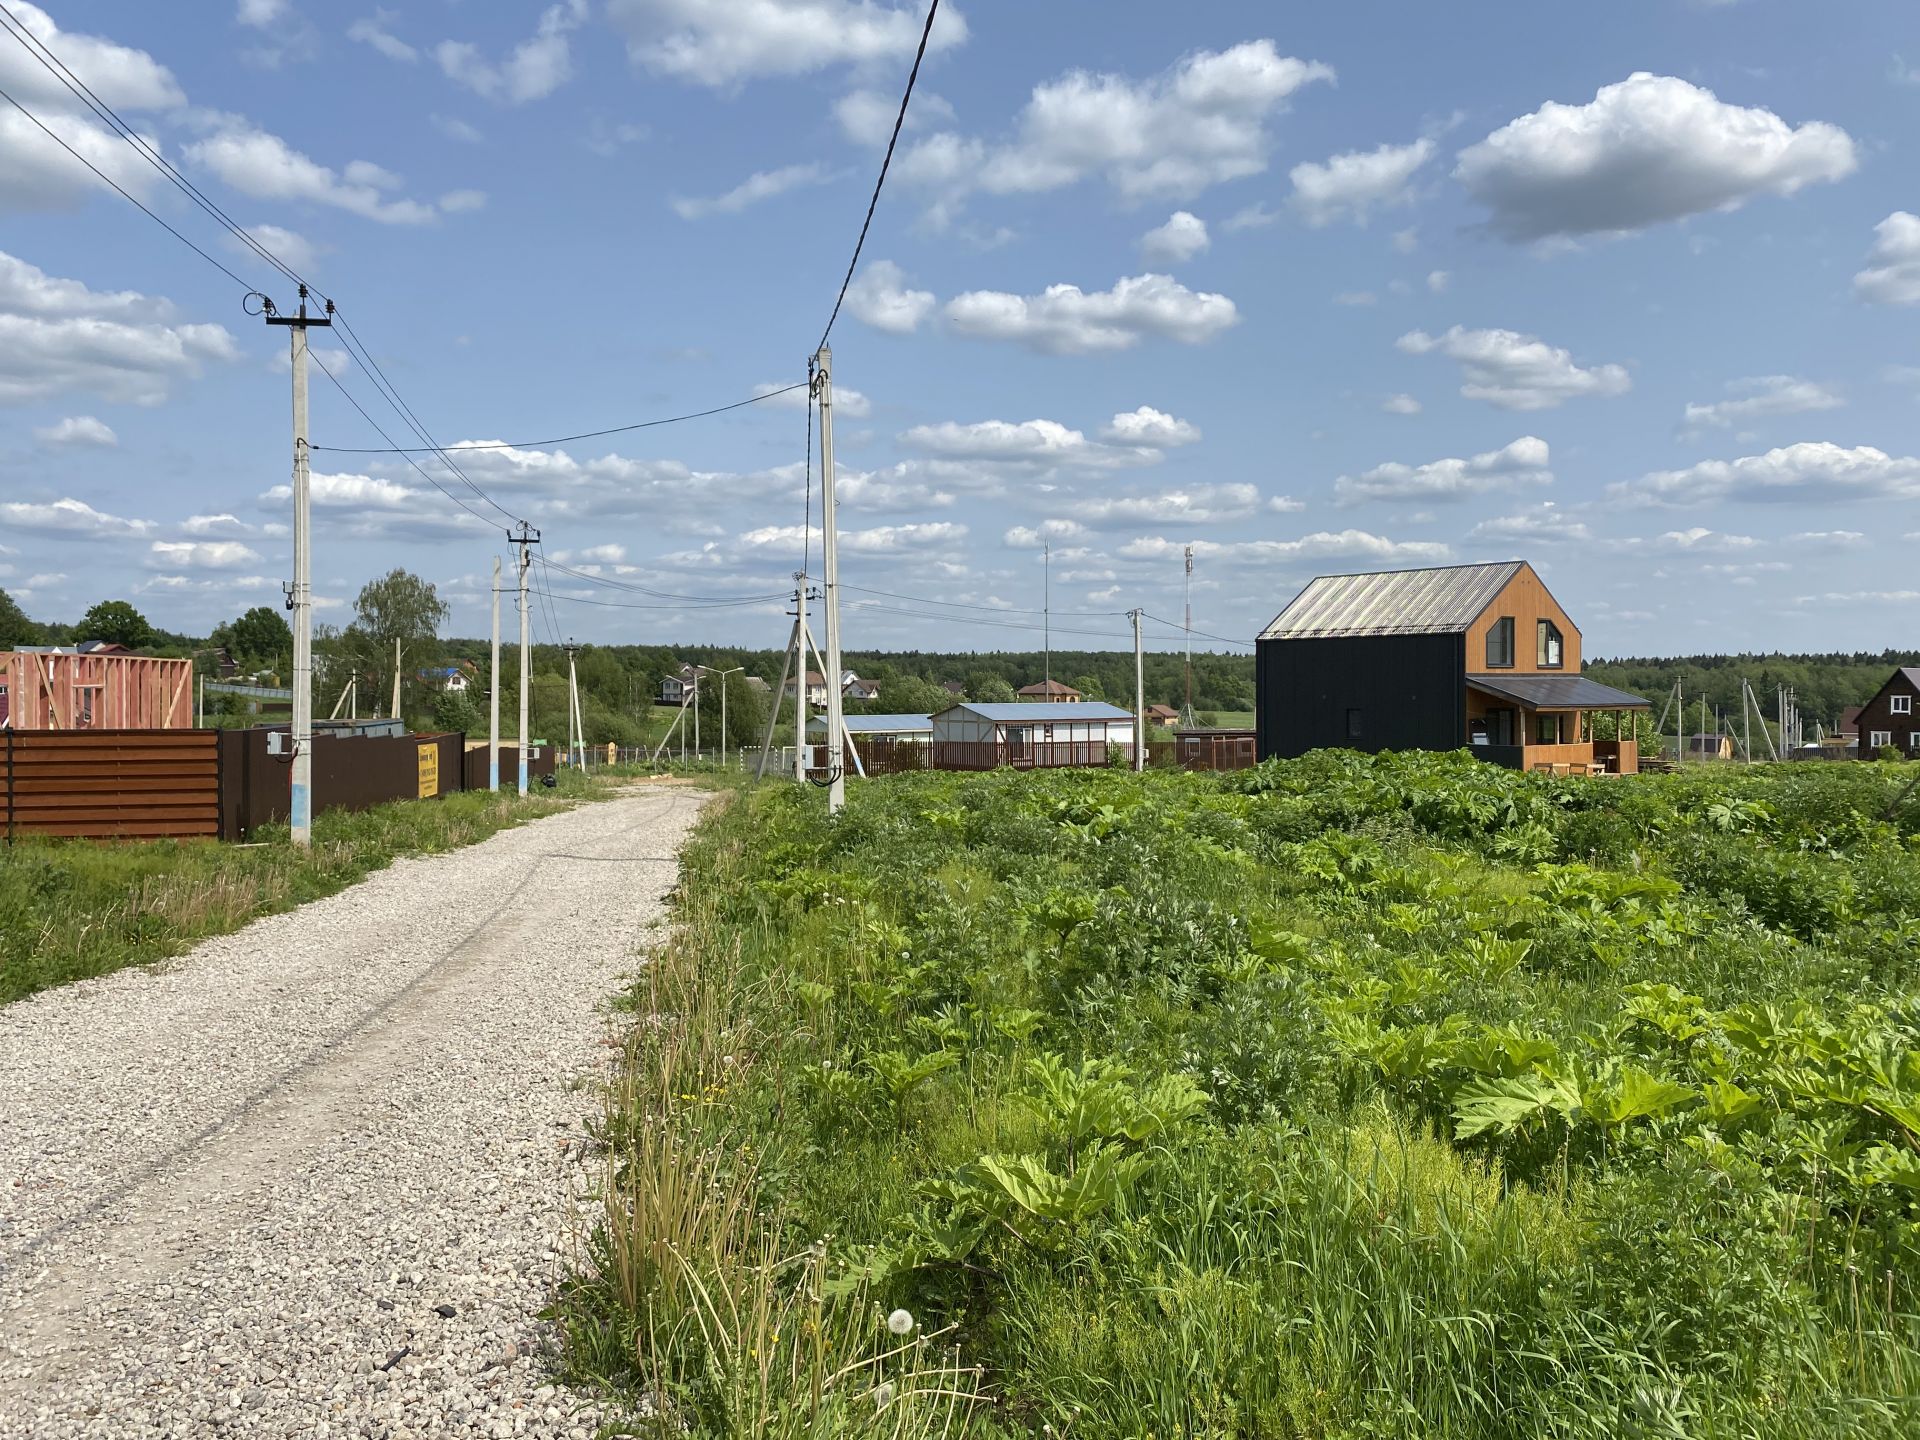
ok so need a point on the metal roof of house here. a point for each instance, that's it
(1026, 711)
(878, 724)
(1047, 687)
(1393, 602)
(1557, 692)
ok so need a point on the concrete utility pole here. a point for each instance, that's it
(780, 689)
(721, 676)
(830, 558)
(493, 690)
(300, 597)
(1046, 617)
(1186, 711)
(526, 539)
(696, 712)
(573, 711)
(396, 677)
(802, 752)
(1139, 697)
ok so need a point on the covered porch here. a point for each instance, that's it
(1545, 723)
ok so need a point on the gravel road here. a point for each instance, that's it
(317, 1178)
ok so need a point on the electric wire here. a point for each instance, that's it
(969, 605)
(563, 439)
(1188, 630)
(107, 179)
(484, 519)
(55, 66)
(638, 589)
(893, 140)
(994, 624)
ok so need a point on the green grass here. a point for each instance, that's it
(1343, 1097)
(70, 909)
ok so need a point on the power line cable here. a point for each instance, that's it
(55, 66)
(994, 624)
(124, 194)
(967, 605)
(639, 589)
(1185, 630)
(563, 439)
(482, 518)
(893, 140)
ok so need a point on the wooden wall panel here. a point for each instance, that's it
(1527, 600)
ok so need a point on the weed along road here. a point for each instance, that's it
(318, 1178)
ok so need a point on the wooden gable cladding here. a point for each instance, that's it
(1528, 601)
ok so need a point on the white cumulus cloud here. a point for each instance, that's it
(57, 335)
(1514, 371)
(1813, 472)
(881, 297)
(68, 516)
(1179, 240)
(723, 42)
(1150, 427)
(533, 70)
(1400, 405)
(1066, 320)
(1759, 397)
(1198, 123)
(1648, 149)
(763, 185)
(77, 430)
(1350, 186)
(267, 168)
(201, 555)
(1892, 276)
(1520, 464)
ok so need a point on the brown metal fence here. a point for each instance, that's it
(150, 784)
(350, 772)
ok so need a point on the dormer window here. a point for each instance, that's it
(1500, 644)
(1549, 646)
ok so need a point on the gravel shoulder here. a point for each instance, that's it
(317, 1177)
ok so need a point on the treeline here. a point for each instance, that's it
(1824, 685)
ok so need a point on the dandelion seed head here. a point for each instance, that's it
(900, 1322)
(883, 1395)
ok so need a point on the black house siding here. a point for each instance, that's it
(1410, 692)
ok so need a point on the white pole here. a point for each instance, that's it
(723, 719)
(1046, 618)
(493, 686)
(802, 640)
(696, 712)
(396, 677)
(830, 559)
(1139, 699)
(300, 804)
(526, 660)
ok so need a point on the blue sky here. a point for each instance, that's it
(1627, 291)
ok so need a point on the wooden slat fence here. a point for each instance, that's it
(109, 784)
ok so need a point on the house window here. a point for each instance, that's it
(1353, 724)
(1547, 729)
(1500, 644)
(1902, 704)
(1548, 645)
(1877, 738)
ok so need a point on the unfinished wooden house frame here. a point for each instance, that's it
(66, 690)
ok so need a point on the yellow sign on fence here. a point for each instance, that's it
(429, 771)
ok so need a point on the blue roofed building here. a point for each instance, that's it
(1030, 735)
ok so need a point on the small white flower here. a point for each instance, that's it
(900, 1322)
(883, 1395)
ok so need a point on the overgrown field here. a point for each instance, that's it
(1403, 1096)
(70, 909)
